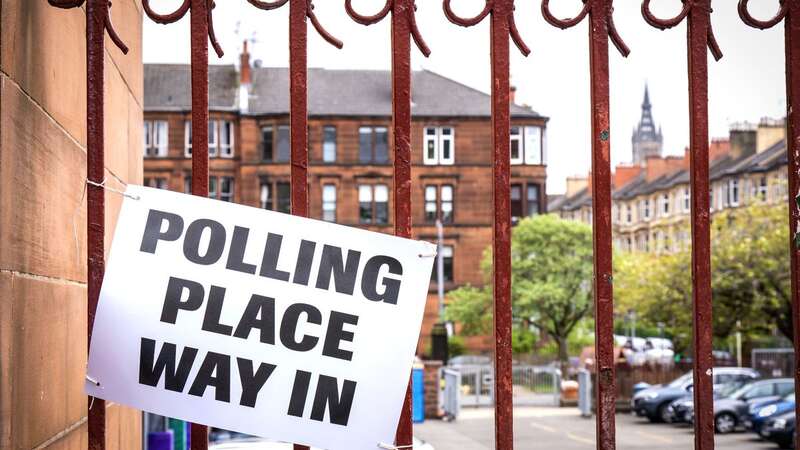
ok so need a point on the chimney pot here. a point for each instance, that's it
(244, 66)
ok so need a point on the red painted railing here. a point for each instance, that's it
(699, 40)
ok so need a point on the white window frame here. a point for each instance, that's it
(231, 188)
(438, 138)
(327, 201)
(213, 138)
(665, 204)
(517, 137)
(533, 138)
(264, 198)
(156, 137)
(187, 138)
(733, 187)
(687, 199)
(226, 149)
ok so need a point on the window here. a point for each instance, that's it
(156, 182)
(439, 203)
(329, 202)
(212, 187)
(283, 144)
(686, 198)
(187, 138)
(628, 213)
(733, 191)
(373, 145)
(275, 196)
(267, 144)
(155, 138)
(516, 203)
(187, 184)
(447, 265)
(226, 139)
(533, 145)
(226, 189)
(220, 138)
(516, 145)
(526, 145)
(212, 139)
(373, 204)
(644, 209)
(438, 144)
(533, 204)
(329, 144)
(761, 190)
(265, 196)
(665, 205)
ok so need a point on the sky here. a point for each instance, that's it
(746, 85)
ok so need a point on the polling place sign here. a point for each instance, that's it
(256, 321)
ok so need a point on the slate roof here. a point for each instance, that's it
(726, 165)
(330, 92)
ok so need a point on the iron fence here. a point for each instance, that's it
(700, 39)
(773, 362)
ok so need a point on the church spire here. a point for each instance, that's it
(646, 139)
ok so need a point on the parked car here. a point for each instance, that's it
(731, 412)
(780, 430)
(680, 408)
(654, 401)
(762, 411)
(239, 441)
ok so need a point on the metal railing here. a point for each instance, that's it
(700, 39)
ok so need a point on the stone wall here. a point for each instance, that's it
(42, 171)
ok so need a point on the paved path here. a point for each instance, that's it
(564, 429)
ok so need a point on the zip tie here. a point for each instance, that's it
(426, 255)
(102, 184)
(393, 447)
(91, 403)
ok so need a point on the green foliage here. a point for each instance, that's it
(455, 346)
(522, 340)
(750, 278)
(551, 264)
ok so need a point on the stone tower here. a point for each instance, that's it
(646, 140)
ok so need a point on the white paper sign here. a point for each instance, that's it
(259, 322)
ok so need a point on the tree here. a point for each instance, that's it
(750, 278)
(551, 265)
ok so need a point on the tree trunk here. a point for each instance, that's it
(563, 355)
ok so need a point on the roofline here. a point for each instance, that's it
(179, 109)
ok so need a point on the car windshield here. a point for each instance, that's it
(729, 389)
(742, 391)
(789, 398)
(680, 381)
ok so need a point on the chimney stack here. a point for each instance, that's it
(244, 67)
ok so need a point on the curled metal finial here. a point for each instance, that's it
(588, 5)
(377, 17)
(179, 13)
(488, 8)
(663, 24)
(105, 6)
(748, 19)
(269, 5)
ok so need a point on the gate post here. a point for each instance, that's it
(601, 29)
(790, 13)
(700, 38)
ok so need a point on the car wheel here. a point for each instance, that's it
(663, 413)
(724, 423)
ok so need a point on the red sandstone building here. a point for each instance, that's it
(350, 155)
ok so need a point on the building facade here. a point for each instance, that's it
(651, 200)
(43, 262)
(350, 156)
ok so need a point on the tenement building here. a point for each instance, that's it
(350, 154)
(651, 199)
